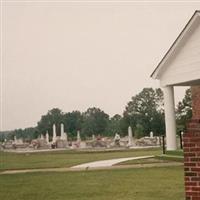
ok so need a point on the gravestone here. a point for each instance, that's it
(78, 136)
(47, 137)
(130, 136)
(93, 137)
(42, 137)
(62, 141)
(54, 134)
(62, 137)
(117, 140)
(151, 134)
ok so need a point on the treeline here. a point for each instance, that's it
(144, 113)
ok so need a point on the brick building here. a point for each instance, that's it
(181, 67)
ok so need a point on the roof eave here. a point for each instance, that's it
(156, 72)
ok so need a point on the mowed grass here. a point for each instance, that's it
(157, 159)
(9, 161)
(119, 184)
(143, 161)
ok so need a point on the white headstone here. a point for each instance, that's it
(151, 134)
(54, 133)
(93, 137)
(65, 136)
(42, 137)
(15, 139)
(78, 136)
(47, 137)
(130, 136)
(62, 136)
(117, 136)
(18, 141)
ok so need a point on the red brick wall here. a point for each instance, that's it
(191, 147)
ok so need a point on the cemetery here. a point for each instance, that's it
(149, 152)
(61, 142)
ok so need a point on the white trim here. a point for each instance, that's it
(176, 45)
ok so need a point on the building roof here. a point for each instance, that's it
(174, 47)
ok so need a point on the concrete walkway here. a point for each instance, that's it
(107, 163)
(97, 165)
(95, 168)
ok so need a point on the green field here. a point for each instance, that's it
(64, 158)
(119, 184)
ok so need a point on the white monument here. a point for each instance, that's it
(117, 136)
(62, 137)
(54, 133)
(15, 139)
(47, 137)
(78, 136)
(42, 137)
(130, 136)
(151, 134)
(93, 137)
(18, 141)
(117, 140)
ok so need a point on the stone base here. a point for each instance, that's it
(99, 143)
(61, 144)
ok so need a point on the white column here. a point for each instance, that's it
(170, 120)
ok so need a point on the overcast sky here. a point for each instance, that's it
(78, 55)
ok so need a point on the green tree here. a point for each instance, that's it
(54, 116)
(139, 131)
(146, 109)
(27, 133)
(73, 122)
(184, 110)
(114, 125)
(95, 121)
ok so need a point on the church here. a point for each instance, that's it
(181, 67)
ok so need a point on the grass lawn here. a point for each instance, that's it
(143, 161)
(119, 184)
(64, 158)
(175, 153)
(158, 159)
